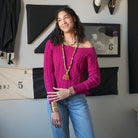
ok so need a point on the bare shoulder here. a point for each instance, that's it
(86, 44)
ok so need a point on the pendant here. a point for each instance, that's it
(66, 76)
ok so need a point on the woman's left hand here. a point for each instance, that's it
(60, 94)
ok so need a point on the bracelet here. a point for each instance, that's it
(54, 107)
(53, 104)
(71, 91)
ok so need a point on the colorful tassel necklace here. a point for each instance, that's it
(66, 76)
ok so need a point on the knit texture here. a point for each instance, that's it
(85, 59)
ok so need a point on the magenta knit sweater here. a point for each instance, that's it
(85, 59)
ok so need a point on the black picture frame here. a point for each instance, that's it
(105, 38)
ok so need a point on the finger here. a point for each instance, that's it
(51, 92)
(58, 124)
(53, 95)
(58, 94)
(55, 124)
(56, 88)
(55, 98)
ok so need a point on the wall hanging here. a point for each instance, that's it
(108, 85)
(109, 82)
(29, 83)
(97, 5)
(41, 47)
(39, 18)
(9, 16)
(26, 83)
(105, 38)
(16, 83)
(111, 6)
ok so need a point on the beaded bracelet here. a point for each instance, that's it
(71, 91)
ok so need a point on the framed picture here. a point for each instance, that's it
(104, 37)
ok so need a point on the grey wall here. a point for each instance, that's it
(112, 115)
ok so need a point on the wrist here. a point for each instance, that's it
(71, 91)
(54, 107)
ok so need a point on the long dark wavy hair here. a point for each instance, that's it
(56, 36)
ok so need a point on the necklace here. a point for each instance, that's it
(75, 42)
(66, 76)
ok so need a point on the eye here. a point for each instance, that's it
(59, 20)
(67, 17)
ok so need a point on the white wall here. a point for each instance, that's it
(112, 115)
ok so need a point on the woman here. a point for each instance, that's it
(67, 56)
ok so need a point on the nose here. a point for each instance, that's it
(63, 21)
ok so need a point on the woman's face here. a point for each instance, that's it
(65, 22)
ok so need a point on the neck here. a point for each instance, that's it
(70, 37)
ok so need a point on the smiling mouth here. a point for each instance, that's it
(65, 26)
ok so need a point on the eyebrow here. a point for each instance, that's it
(64, 16)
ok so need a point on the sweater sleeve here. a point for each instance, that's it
(94, 74)
(49, 78)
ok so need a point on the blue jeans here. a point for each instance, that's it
(76, 108)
